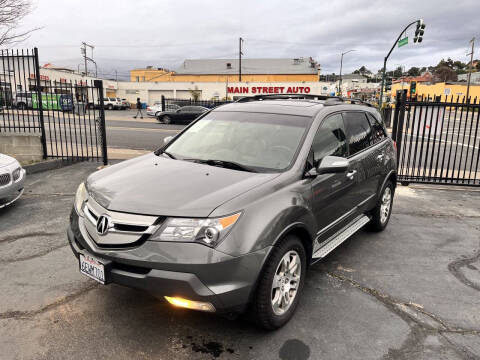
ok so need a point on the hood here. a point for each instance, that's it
(6, 160)
(155, 185)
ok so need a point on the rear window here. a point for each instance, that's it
(378, 132)
(359, 131)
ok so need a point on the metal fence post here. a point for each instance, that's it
(163, 103)
(401, 99)
(39, 101)
(99, 85)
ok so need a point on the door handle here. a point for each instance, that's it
(351, 174)
(380, 157)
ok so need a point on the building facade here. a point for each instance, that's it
(228, 70)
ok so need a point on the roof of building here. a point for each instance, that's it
(426, 77)
(249, 66)
(353, 77)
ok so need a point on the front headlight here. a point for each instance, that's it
(80, 198)
(209, 231)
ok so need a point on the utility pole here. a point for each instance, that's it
(83, 51)
(470, 69)
(116, 76)
(341, 64)
(240, 42)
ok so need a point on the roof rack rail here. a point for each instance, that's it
(329, 100)
(285, 96)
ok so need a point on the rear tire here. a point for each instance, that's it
(109, 107)
(382, 211)
(280, 284)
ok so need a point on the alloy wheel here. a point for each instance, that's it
(286, 282)
(385, 205)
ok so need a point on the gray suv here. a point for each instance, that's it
(230, 213)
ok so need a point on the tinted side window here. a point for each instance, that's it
(378, 133)
(330, 138)
(358, 130)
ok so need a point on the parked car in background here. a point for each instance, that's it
(152, 110)
(126, 104)
(229, 214)
(183, 115)
(112, 103)
(156, 108)
(12, 178)
(23, 100)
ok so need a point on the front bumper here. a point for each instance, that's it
(12, 191)
(188, 270)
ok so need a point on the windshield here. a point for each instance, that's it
(263, 142)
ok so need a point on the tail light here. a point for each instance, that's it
(148, 108)
(395, 144)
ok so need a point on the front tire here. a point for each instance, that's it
(167, 119)
(382, 211)
(280, 284)
(109, 107)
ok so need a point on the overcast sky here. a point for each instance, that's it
(129, 34)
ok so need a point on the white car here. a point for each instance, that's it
(156, 108)
(112, 103)
(12, 179)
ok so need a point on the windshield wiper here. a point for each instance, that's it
(224, 163)
(171, 156)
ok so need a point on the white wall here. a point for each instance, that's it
(149, 91)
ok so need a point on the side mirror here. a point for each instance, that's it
(167, 139)
(332, 165)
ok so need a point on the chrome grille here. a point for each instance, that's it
(124, 229)
(16, 174)
(4, 179)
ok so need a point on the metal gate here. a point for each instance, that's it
(437, 141)
(67, 114)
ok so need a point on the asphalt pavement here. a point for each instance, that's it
(410, 292)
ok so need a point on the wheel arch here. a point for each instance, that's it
(301, 231)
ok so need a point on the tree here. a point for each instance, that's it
(398, 72)
(195, 93)
(413, 71)
(444, 73)
(363, 71)
(11, 13)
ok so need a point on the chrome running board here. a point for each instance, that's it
(335, 240)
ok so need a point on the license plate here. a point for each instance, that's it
(92, 268)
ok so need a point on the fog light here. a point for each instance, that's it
(190, 304)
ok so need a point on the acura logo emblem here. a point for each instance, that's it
(103, 224)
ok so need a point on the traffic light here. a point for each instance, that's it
(419, 31)
(388, 83)
(413, 88)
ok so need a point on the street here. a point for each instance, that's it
(125, 132)
(410, 292)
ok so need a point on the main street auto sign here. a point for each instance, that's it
(268, 89)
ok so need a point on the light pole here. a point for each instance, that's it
(341, 65)
(418, 39)
(470, 69)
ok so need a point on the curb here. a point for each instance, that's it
(47, 165)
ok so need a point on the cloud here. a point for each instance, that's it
(129, 34)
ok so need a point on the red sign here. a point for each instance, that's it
(268, 89)
(42, 77)
(63, 80)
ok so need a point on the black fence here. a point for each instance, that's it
(68, 115)
(437, 141)
(175, 104)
